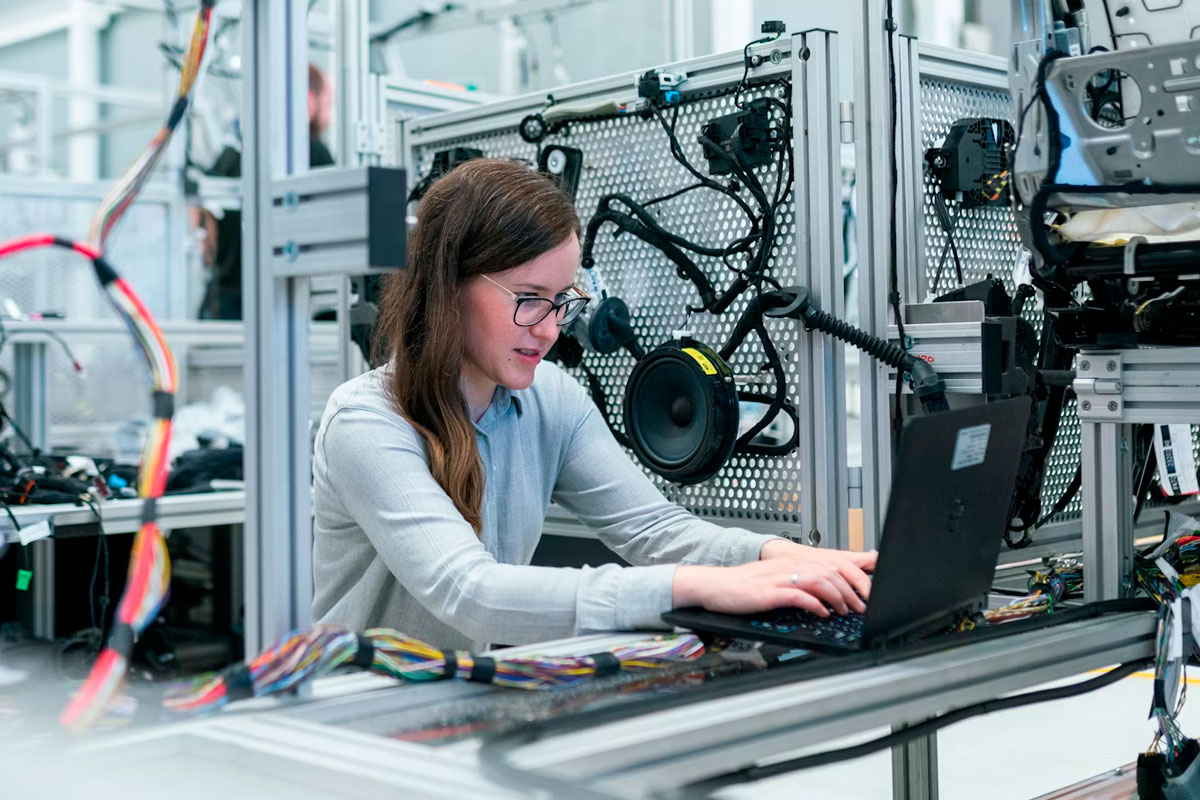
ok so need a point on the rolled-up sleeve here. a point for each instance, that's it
(435, 554)
(599, 484)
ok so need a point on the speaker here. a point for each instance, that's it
(681, 411)
(564, 164)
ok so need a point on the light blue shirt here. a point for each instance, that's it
(391, 550)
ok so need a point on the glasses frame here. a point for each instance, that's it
(552, 309)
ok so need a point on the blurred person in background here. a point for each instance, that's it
(221, 237)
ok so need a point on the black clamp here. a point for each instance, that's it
(483, 669)
(364, 657)
(606, 664)
(449, 664)
(239, 683)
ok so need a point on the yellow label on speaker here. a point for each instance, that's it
(706, 366)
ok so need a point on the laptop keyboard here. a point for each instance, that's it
(834, 628)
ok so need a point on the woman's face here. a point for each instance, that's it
(497, 350)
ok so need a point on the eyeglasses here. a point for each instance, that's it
(531, 309)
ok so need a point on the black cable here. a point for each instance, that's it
(1141, 481)
(777, 402)
(11, 516)
(47, 332)
(893, 265)
(684, 265)
(650, 230)
(677, 153)
(918, 731)
(690, 187)
(1068, 495)
(422, 17)
(5, 417)
(948, 224)
(647, 219)
(92, 582)
(744, 84)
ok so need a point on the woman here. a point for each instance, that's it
(432, 474)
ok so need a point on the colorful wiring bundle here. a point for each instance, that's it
(148, 580)
(1172, 566)
(1170, 684)
(1047, 588)
(149, 567)
(303, 655)
(121, 196)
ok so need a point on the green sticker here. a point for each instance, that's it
(23, 578)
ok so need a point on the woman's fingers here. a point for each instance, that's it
(849, 593)
(824, 587)
(858, 579)
(830, 585)
(798, 598)
(865, 561)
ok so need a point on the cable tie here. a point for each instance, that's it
(121, 639)
(239, 683)
(483, 669)
(606, 664)
(449, 664)
(177, 112)
(104, 271)
(365, 655)
(150, 510)
(164, 404)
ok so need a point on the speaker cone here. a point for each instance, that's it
(681, 411)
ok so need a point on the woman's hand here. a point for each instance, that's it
(852, 566)
(804, 583)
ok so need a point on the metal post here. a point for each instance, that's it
(1107, 490)
(681, 23)
(910, 233)
(278, 533)
(350, 54)
(824, 495)
(83, 65)
(29, 390)
(914, 766)
(873, 155)
(29, 404)
(915, 769)
(45, 131)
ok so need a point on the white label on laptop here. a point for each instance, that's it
(1176, 466)
(971, 446)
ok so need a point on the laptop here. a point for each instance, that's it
(948, 509)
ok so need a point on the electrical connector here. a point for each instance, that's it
(660, 87)
(1182, 781)
(749, 130)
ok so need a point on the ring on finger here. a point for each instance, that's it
(794, 578)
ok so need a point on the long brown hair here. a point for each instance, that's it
(486, 215)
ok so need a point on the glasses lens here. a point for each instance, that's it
(571, 309)
(531, 310)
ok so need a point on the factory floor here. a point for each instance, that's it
(1011, 755)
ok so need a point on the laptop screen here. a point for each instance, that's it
(947, 512)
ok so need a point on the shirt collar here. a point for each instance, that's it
(502, 398)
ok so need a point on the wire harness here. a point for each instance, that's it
(149, 573)
(301, 656)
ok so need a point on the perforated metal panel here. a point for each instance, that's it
(988, 244)
(55, 279)
(83, 409)
(631, 155)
